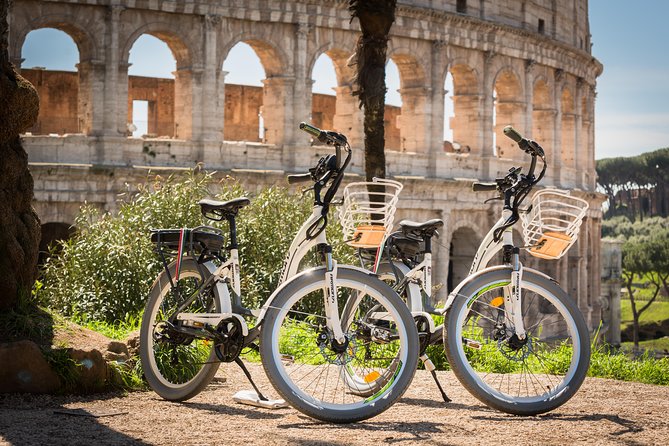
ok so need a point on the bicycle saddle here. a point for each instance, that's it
(428, 227)
(230, 207)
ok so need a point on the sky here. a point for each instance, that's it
(630, 38)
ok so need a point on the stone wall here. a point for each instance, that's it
(521, 62)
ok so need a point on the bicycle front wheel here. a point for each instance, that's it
(309, 368)
(521, 377)
(178, 365)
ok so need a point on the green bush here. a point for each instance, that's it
(104, 272)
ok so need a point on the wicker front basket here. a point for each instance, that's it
(552, 225)
(368, 211)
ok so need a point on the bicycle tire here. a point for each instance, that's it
(197, 359)
(295, 347)
(505, 374)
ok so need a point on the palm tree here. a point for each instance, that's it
(375, 17)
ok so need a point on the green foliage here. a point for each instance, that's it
(104, 272)
(646, 369)
(646, 174)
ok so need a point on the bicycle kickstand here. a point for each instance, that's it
(240, 363)
(429, 365)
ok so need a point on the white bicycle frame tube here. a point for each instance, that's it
(299, 248)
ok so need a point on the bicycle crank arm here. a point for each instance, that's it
(201, 320)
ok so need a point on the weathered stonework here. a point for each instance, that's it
(525, 63)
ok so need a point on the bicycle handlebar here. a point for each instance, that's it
(299, 178)
(482, 187)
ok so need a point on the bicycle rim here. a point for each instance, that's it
(316, 374)
(177, 361)
(518, 376)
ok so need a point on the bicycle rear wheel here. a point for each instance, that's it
(522, 377)
(309, 369)
(177, 366)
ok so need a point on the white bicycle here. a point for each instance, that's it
(319, 329)
(513, 337)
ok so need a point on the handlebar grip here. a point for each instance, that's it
(513, 133)
(482, 187)
(299, 178)
(310, 129)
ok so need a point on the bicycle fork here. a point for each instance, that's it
(330, 296)
(513, 305)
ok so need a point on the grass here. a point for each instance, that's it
(119, 330)
(657, 312)
(652, 344)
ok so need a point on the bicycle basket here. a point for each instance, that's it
(368, 211)
(552, 225)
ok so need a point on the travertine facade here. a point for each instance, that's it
(521, 62)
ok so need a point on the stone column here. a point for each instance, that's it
(349, 117)
(557, 126)
(278, 109)
(529, 97)
(414, 122)
(115, 102)
(91, 96)
(435, 142)
(211, 118)
(302, 88)
(611, 259)
(486, 129)
(187, 107)
(580, 161)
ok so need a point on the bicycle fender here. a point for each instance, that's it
(453, 294)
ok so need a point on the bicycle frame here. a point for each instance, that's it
(419, 278)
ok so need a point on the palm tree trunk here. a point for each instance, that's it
(375, 17)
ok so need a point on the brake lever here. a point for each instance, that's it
(493, 199)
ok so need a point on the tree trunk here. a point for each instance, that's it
(19, 224)
(375, 17)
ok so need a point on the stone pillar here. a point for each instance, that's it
(349, 117)
(278, 109)
(435, 142)
(302, 88)
(187, 113)
(557, 126)
(467, 123)
(611, 260)
(116, 79)
(415, 122)
(91, 97)
(211, 118)
(529, 98)
(580, 161)
(486, 128)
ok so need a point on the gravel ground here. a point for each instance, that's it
(602, 412)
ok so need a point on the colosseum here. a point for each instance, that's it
(522, 62)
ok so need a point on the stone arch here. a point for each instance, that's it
(82, 37)
(177, 122)
(273, 59)
(464, 242)
(180, 49)
(466, 105)
(509, 108)
(277, 85)
(339, 116)
(88, 49)
(567, 138)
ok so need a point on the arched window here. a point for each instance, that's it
(324, 101)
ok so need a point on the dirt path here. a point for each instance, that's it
(602, 412)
